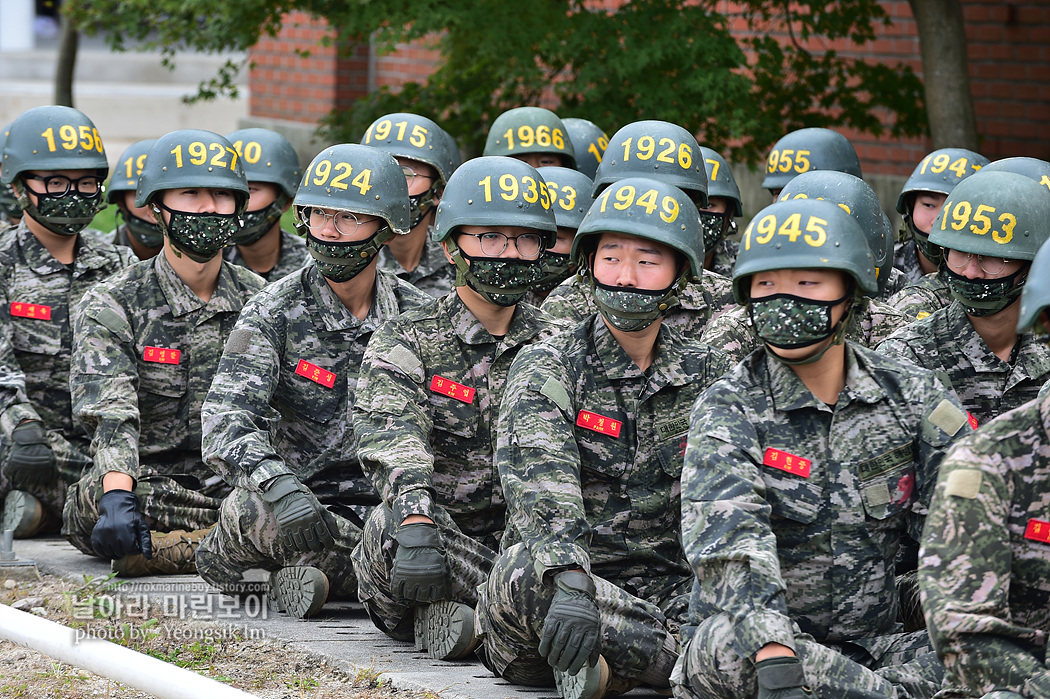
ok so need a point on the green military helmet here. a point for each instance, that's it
(589, 142)
(803, 234)
(1038, 170)
(267, 156)
(495, 191)
(859, 200)
(648, 208)
(359, 179)
(52, 138)
(413, 136)
(939, 172)
(657, 149)
(1035, 298)
(570, 192)
(129, 167)
(720, 180)
(996, 214)
(809, 149)
(3, 143)
(192, 158)
(530, 130)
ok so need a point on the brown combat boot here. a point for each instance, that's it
(174, 553)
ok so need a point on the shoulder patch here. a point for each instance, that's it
(948, 418)
(403, 359)
(239, 341)
(112, 320)
(556, 392)
(964, 483)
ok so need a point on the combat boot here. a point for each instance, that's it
(23, 514)
(174, 553)
(592, 682)
(298, 591)
(445, 630)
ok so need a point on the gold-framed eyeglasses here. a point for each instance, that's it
(346, 222)
(410, 174)
(959, 260)
(493, 243)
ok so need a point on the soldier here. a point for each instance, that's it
(140, 231)
(635, 151)
(871, 321)
(430, 385)
(55, 162)
(147, 343)
(805, 150)
(589, 142)
(717, 218)
(591, 437)
(990, 227)
(986, 545)
(275, 420)
(10, 211)
(570, 193)
(805, 466)
(428, 156)
(533, 135)
(272, 168)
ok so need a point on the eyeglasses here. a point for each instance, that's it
(58, 186)
(346, 223)
(958, 261)
(410, 173)
(493, 243)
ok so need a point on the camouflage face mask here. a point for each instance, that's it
(9, 206)
(933, 253)
(714, 227)
(342, 261)
(200, 236)
(258, 223)
(631, 310)
(985, 297)
(785, 321)
(559, 269)
(146, 233)
(66, 215)
(502, 281)
(419, 205)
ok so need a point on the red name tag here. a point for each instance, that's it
(1038, 530)
(784, 461)
(315, 373)
(161, 355)
(598, 423)
(972, 420)
(439, 384)
(31, 310)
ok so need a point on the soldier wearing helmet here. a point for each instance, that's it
(275, 420)
(533, 135)
(717, 219)
(615, 390)
(140, 231)
(10, 211)
(589, 142)
(990, 227)
(428, 156)
(271, 166)
(806, 464)
(425, 414)
(147, 342)
(54, 160)
(570, 193)
(806, 150)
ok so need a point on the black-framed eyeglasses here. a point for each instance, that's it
(58, 186)
(346, 222)
(493, 243)
(958, 261)
(410, 174)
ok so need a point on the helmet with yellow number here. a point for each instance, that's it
(416, 137)
(53, 138)
(129, 167)
(589, 142)
(1035, 299)
(1038, 170)
(939, 172)
(809, 149)
(525, 130)
(570, 193)
(267, 156)
(657, 149)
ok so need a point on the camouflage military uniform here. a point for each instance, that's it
(732, 332)
(946, 344)
(985, 570)
(267, 415)
(37, 295)
(922, 298)
(605, 498)
(425, 413)
(293, 256)
(433, 274)
(700, 303)
(145, 353)
(725, 257)
(792, 515)
(897, 281)
(906, 259)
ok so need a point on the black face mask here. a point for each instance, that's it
(199, 236)
(258, 223)
(148, 234)
(985, 297)
(342, 261)
(66, 215)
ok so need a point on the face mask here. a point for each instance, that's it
(342, 261)
(985, 297)
(558, 270)
(9, 206)
(145, 233)
(785, 321)
(419, 205)
(256, 224)
(631, 310)
(67, 215)
(200, 236)
(933, 253)
(500, 281)
(714, 228)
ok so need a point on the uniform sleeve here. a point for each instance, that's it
(897, 346)
(726, 530)
(15, 405)
(565, 301)
(104, 383)
(728, 331)
(539, 463)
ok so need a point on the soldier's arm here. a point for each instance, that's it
(729, 331)
(15, 406)
(567, 301)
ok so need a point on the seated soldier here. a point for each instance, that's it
(139, 231)
(717, 219)
(570, 198)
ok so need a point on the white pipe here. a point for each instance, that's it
(118, 663)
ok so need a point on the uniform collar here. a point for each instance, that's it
(524, 325)
(789, 393)
(181, 300)
(37, 257)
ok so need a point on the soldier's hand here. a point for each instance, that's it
(420, 571)
(121, 529)
(571, 635)
(30, 461)
(781, 678)
(300, 524)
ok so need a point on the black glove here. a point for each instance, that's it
(572, 630)
(30, 462)
(300, 524)
(121, 530)
(420, 571)
(781, 678)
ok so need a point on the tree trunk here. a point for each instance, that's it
(66, 63)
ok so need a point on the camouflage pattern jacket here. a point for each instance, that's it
(146, 348)
(725, 258)
(794, 511)
(433, 274)
(293, 256)
(922, 298)
(906, 259)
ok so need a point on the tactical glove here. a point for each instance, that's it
(30, 462)
(121, 530)
(571, 635)
(300, 524)
(420, 571)
(781, 678)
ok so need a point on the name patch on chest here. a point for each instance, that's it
(783, 461)
(315, 373)
(672, 427)
(1038, 530)
(884, 463)
(456, 391)
(161, 355)
(30, 310)
(971, 419)
(598, 423)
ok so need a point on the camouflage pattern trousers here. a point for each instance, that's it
(168, 503)
(469, 563)
(71, 460)
(893, 666)
(246, 537)
(635, 632)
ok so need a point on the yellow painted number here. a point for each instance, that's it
(714, 169)
(250, 151)
(543, 136)
(787, 160)
(963, 212)
(766, 227)
(942, 161)
(323, 169)
(598, 149)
